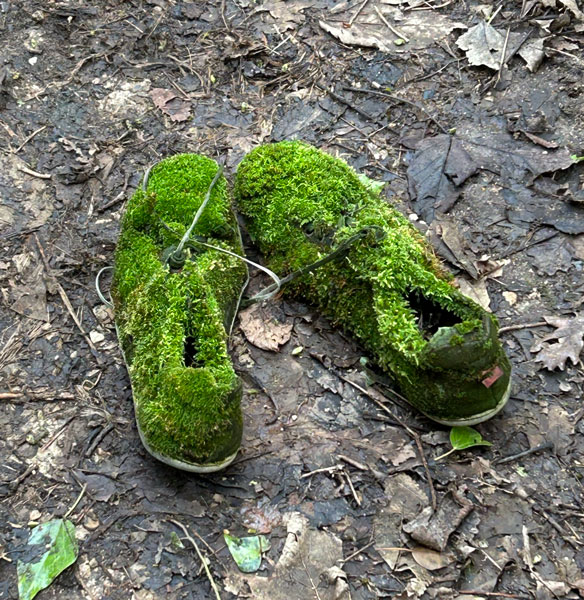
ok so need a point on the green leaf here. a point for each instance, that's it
(371, 184)
(466, 437)
(247, 551)
(577, 158)
(51, 548)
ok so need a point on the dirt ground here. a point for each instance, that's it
(472, 131)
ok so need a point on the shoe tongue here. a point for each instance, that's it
(467, 346)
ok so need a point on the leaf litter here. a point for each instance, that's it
(564, 344)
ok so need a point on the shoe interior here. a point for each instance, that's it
(429, 315)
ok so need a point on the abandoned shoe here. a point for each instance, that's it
(383, 284)
(174, 311)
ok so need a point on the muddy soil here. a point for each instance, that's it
(474, 146)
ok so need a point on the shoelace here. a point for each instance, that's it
(176, 257)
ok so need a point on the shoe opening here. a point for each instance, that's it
(190, 353)
(430, 316)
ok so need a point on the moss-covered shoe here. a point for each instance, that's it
(173, 321)
(385, 285)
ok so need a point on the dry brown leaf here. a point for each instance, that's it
(430, 559)
(484, 45)
(167, 101)
(569, 334)
(262, 329)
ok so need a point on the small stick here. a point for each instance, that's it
(10, 395)
(81, 494)
(201, 557)
(64, 296)
(390, 27)
(27, 140)
(412, 433)
(98, 439)
(506, 459)
(398, 99)
(493, 594)
(522, 326)
(348, 478)
(344, 101)
(356, 553)
(358, 12)
(34, 173)
(323, 470)
(353, 462)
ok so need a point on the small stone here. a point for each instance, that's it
(510, 297)
(33, 60)
(35, 515)
(96, 337)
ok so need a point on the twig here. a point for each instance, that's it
(526, 555)
(27, 140)
(322, 470)
(201, 557)
(74, 506)
(310, 579)
(13, 485)
(346, 102)
(503, 53)
(522, 326)
(356, 553)
(34, 173)
(506, 459)
(98, 439)
(412, 433)
(494, 594)
(398, 99)
(353, 462)
(348, 478)
(390, 27)
(64, 297)
(358, 12)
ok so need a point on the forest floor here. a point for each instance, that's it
(472, 114)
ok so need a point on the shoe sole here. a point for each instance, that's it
(475, 419)
(182, 465)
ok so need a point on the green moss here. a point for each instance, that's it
(186, 406)
(301, 203)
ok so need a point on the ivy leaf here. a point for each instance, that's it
(50, 549)
(247, 551)
(466, 437)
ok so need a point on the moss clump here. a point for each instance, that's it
(302, 203)
(172, 325)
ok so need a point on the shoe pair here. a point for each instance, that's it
(376, 278)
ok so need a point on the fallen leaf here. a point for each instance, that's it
(484, 46)
(421, 28)
(262, 329)
(247, 551)
(430, 559)
(354, 36)
(444, 162)
(177, 109)
(477, 290)
(51, 548)
(309, 556)
(432, 529)
(439, 167)
(569, 334)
